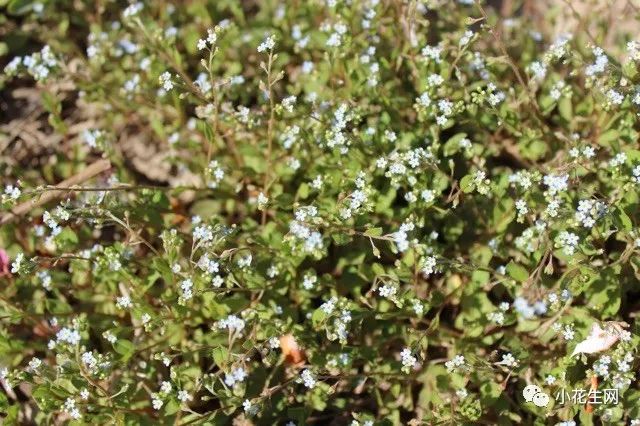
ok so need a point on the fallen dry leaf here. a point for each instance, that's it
(600, 339)
(290, 349)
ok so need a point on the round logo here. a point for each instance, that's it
(533, 393)
(530, 391)
(541, 399)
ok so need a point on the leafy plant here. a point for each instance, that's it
(357, 212)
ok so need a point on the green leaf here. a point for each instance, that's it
(607, 137)
(466, 184)
(206, 208)
(56, 306)
(481, 255)
(66, 384)
(604, 296)
(434, 324)
(303, 191)
(629, 69)
(44, 397)
(220, 356)
(377, 269)
(51, 103)
(19, 7)
(172, 407)
(535, 150)
(480, 277)
(565, 107)
(4, 402)
(318, 316)
(67, 238)
(299, 414)
(578, 281)
(517, 272)
(341, 239)
(504, 214)
(124, 348)
(373, 232)
(622, 219)
(208, 133)
(546, 103)
(490, 392)
(453, 144)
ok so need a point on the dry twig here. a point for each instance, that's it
(91, 171)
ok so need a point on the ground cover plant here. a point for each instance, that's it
(364, 212)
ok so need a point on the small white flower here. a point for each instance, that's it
(538, 69)
(187, 289)
(165, 80)
(245, 261)
(217, 281)
(309, 281)
(568, 241)
(497, 317)
(619, 159)
(133, 9)
(274, 343)
(263, 200)
(418, 307)
(388, 291)
(308, 379)
(288, 103)
(268, 44)
(508, 360)
(408, 360)
(457, 362)
(17, 263)
(429, 265)
(568, 333)
(307, 67)
(462, 393)
(232, 323)
(432, 53)
(466, 38)
(334, 40)
(428, 195)
(34, 364)
(236, 376)
(109, 336)
(156, 402)
(250, 408)
(165, 387)
(123, 302)
(184, 396)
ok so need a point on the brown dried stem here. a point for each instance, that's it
(91, 171)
